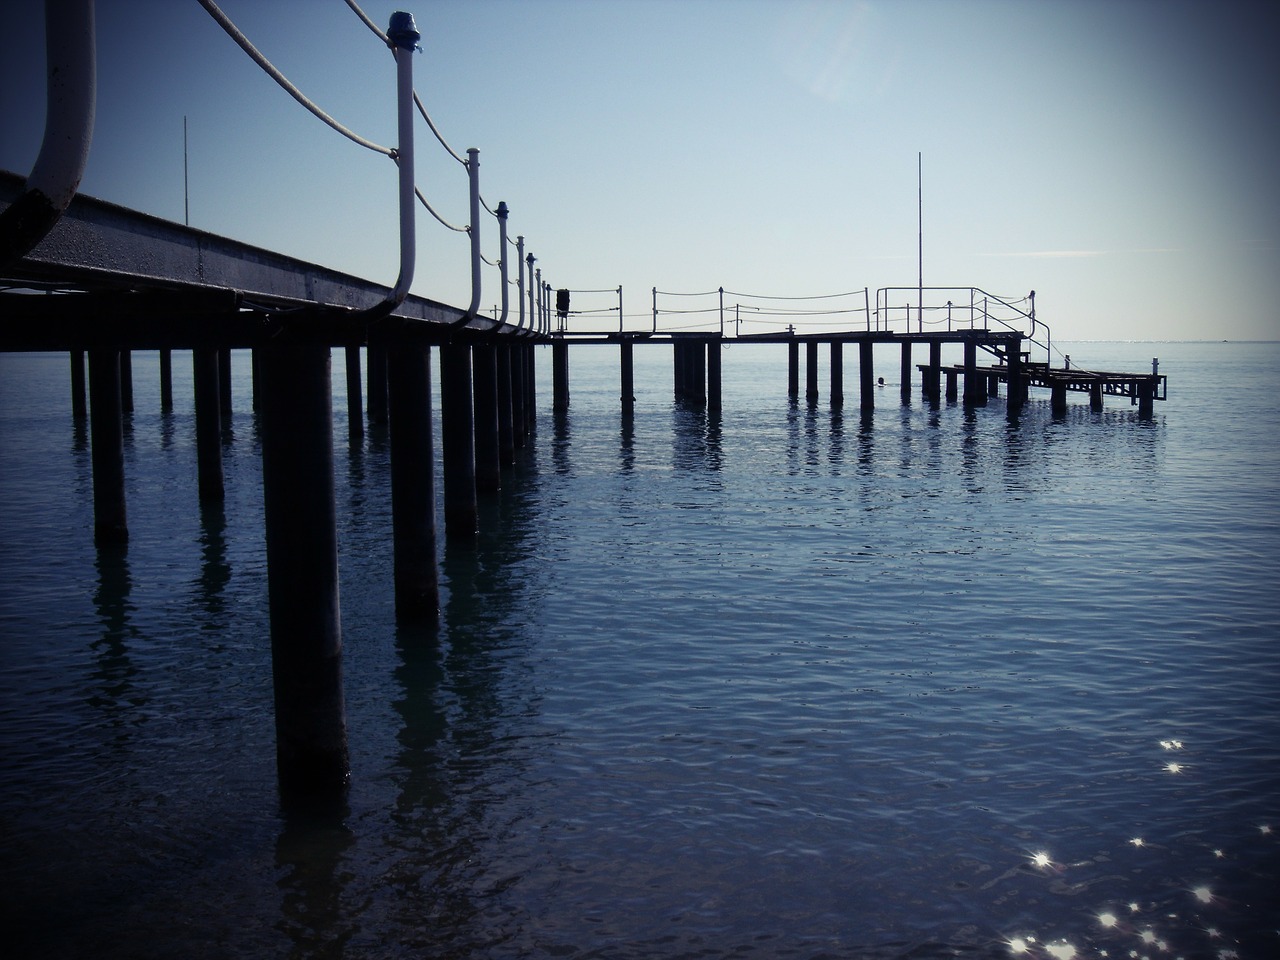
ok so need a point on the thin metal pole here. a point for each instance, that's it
(473, 178)
(920, 234)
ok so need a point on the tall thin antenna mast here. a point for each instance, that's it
(920, 237)
(186, 196)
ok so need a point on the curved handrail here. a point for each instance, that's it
(68, 131)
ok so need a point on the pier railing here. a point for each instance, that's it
(732, 314)
(944, 309)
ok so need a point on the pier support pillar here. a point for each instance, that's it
(376, 376)
(951, 386)
(837, 374)
(811, 371)
(933, 383)
(1058, 398)
(413, 499)
(696, 358)
(205, 362)
(355, 403)
(107, 447)
(866, 375)
(166, 381)
(975, 394)
(714, 391)
(793, 369)
(626, 357)
(519, 394)
(905, 377)
(1016, 394)
(457, 442)
(302, 569)
(506, 435)
(993, 385)
(126, 381)
(530, 389)
(1095, 397)
(224, 383)
(79, 405)
(484, 367)
(560, 375)
(1146, 399)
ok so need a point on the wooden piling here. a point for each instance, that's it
(484, 368)
(696, 357)
(793, 369)
(376, 380)
(627, 374)
(933, 391)
(506, 436)
(224, 383)
(126, 381)
(79, 404)
(866, 375)
(1095, 396)
(530, 389)
(166, 381)
(560, 375)
(107, 446)
(1146, 389)
(975, 394)
(355, 402)
(951, 385)
(837, 374)
(458, 442)
(205, 363)
(519, 394)
(1016, 394)
(302, 569)
(904, 379)
(413, 501)
(1058, 398)
(811, 371)
(714, 392)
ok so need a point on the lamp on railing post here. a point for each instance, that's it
(948, 316)
(620, 308)
(722, 311)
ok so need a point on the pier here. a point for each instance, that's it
(99, 282)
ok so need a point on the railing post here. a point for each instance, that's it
(520, 280)
(473, 179)
(502, 261)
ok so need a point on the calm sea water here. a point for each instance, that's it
(780, 682)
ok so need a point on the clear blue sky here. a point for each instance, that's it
(1118, 156)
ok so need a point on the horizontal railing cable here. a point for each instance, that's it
(431, 210)
(821, 296)
(377, 30)
(256, 55)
